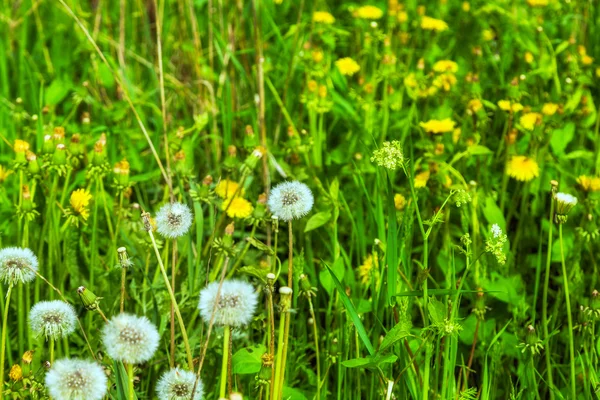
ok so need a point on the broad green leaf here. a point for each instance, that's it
(370, 362)
(493, 214)
(317, 220)
(437, 311)
(398, 332)
(562, 137)
(248, 360)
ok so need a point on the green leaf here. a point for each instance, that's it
(398, 332)
(562, 137)
(391, 254)
(325, 277)
(493, 213)
(360, 329)
(478, 150)
(317, 220)
(437, 311)
(57, 91)
(370, 362)
(248, 360)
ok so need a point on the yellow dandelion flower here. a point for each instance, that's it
(528, 57)
(121, 167)
(549, 109)
(399, 201)
(16, 373)
(488, 35)
(421, 179)
(402, 16)
(347, 66)
(433, 24)
(27, 357)
(445, 66)
(323, 17)
(506, 105)
(589, 183)
(238, 207)
(368, 270)
(445, 81)
(474, 105)
(317, 56)
(466, 6)
(368, 12)
(21, 146)
(410, 80)
(529, 120)
(226, 188)
(438, 126)
(587, 60)
(456, 135)
(80, 201)
(537, 3)
(4, 173)
(523, 168)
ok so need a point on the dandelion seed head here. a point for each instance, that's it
(130, 338)
(173, 220)
(290, 200)
(178, 384)
(73, 379)
(17, 265)
(235, 305)
(564, 202)
(52, 319)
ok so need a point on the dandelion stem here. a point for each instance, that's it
(226, 334)
(545, 306)
(279, 361)
(3, 345)
(290, 256)
(51, 350)
(123, 277)
(569, 317)
(173, 301)
(316, 337)
(131, 392)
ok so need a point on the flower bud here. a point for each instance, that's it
(88, 298)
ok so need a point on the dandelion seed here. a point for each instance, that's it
(290, 200)
(390, 156)
(130, 338)
(177, 384)
(235, 306)
(17, 265)
(173, 220)
(52, 319)
(73, 379)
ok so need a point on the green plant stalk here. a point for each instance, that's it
(123, 278)
(569, 317)
(316, 337)
(3, 344)
(174, 301)
(130, 391)
(545, 306)
(51, 350)
(275, 380)
(223, 388)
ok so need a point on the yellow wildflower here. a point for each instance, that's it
(474, 106)
(445, 81)
(323, 17)
(317, 56)
(16, 373)
(506, 105)
(587, 60)
(399, 201)
(226, 188)
(368, 12)
(4, 173)
(528, 57)
(433, 24)
(589, 183)
(368, 270)
(21, 146)
(238, 207)
(28, 357)
(410, 80)
(402, 17)
(549, 109)
(347, 66)
(80, 201)
(421, 179)
(466, 6)
(522, 168)
(438, 126)
(445, 66)
(529, 120)
(537, 3)
(488, 35)
(121, 167)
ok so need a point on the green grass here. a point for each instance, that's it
(402, 286)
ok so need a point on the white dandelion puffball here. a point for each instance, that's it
(130, 338)
(235, 306)
(17, 265)
(178, 384)
(173, 220)
(52, 319)
(290, 200)
(73, 379)
(564, 203)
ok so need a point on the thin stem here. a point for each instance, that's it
(279, 364)
(123, 278)
(3, 345)
(569, 317)
(131, 391)
(545, 306)
(226, 334)
(51, 350)
(316, 337)
(290, 255)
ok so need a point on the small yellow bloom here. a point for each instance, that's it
(488, 35)
(80, 201)
(589, 183)
(549, 109)
(506, 105)
(466, 6)
(368, 270)
(121, 167)
(21, 146)
(410, 80)
(16, 373)
(402, 17)
(312, 85)
(347, 66)
(445, 66)
(537, 3)
(445, 81)
(528, 57)
(456, 135)
(226, 189)
(529, 120)
(587, 60)
(28, 357)
(474, 105)
(322, 91)
(421, 179)
(438, 126)
(399, 201)
(522, 168)
(368, 12)
(4, 173)
(323, 17)
(433, 24)
(317, 56)
(238, 207)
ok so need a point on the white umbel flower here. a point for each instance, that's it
(72, 379)
(290, 200)
(178, 384)
(173, 220)
(17, 265)
(130, 338)
(235, 306)
(52, 319)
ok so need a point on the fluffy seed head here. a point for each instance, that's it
(72, 379)
(52, 319)
(235, 305)
(173, 220)
(130, 338)
(177, 384)
(17, 265)
(564, 203)
(290, 200)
